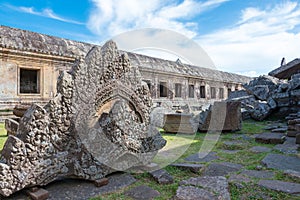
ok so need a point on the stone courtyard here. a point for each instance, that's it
(99, 138)
(238, 167)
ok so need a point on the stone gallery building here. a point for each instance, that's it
(30, 64)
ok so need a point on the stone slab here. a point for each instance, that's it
(260, 149)
(202, 157)
(161, 176)
(187, 166)
(238, 178)
(270, 138)
(294, 121)
(142, 192)
(292, 174)
(271, 127)
(287, 187)
(280, 130)
(298, 138)
(217, 185)
(258, 174)
(282, 162)
(192, 193)
(287, 148)
(77, 189)
(221, 169)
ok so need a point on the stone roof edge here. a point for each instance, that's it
(285, 67)
(237, 77)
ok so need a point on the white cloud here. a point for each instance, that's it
(109, 18)
(258, 41)
(48, 13)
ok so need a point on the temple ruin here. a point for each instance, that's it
(30, 64)
(97, 123)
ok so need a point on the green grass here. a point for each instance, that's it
(180, 146)
(3, 135)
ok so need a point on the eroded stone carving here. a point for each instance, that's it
(98, 123)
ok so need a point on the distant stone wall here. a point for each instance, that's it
(48, 56)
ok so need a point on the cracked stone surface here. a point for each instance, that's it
(192, 193)
(97, 124)
(217, 185)
(221, 169)
(282, 162)
(142, 192)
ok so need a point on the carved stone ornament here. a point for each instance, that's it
(98, 123)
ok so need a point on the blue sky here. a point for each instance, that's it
(246, 37)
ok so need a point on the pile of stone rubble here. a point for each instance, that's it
(266, 95)
(294, 126)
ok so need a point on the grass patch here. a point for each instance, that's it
(253, 127)
(3, 135)
(252, 191)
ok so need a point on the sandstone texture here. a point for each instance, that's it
(266, 95)
(98, 123)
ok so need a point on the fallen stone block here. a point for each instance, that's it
(270, 138)
(98, 123)
(294, 121)
(298, 138)
(186, 166)
(223, 116)
(38, 194)
(161, 176)
(179, 123)
(11, 126)
(280, 130)
(292, 133)
(101, 182)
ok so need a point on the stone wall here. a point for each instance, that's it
(20, 49)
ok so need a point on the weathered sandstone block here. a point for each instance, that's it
(98, 123)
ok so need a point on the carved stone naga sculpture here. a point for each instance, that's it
(98, 123)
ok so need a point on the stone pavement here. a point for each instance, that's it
(211, 176)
